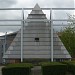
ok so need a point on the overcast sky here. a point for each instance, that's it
(31, 4)
(42, 3)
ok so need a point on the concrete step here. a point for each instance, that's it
(36, 70)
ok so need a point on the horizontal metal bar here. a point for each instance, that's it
(49, 20)
(40, 26)
(41, 8)
(16, 8)
(60, 8)
(10, 25)
(61, 25)
(10, 20)
(39, 20)
(61, 20)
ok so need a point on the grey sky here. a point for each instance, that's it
(7, 3)
(45, 3)
(31, 3)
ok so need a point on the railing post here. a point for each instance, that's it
(51, 24)
(4, 46)
(22, 35)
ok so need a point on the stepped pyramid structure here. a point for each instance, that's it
(36, 40)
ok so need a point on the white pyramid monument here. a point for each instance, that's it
(36, 40)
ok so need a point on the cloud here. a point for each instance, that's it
(45, 3)
(9, 29)
(31, 4)
(7, 3)
(64, 3)
(1, 33)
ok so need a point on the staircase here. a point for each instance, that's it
(36, 70)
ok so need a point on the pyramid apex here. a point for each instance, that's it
(37, 10)
(36, 7)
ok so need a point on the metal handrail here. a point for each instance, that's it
(41, 8)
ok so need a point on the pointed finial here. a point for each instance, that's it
(36, 10)
(36, 7)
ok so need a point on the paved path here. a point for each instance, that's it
(1, 69)
(36, 70)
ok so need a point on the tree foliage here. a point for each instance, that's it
(67, 36)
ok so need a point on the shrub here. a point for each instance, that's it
(71, 67)
(53, 68)
(20, 65)
(17, 69)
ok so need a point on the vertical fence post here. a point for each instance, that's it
(4, 46)
(51, 24)
(22, 35)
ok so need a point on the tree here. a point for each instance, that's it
(67, 36)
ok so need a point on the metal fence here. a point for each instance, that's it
(22, 23)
